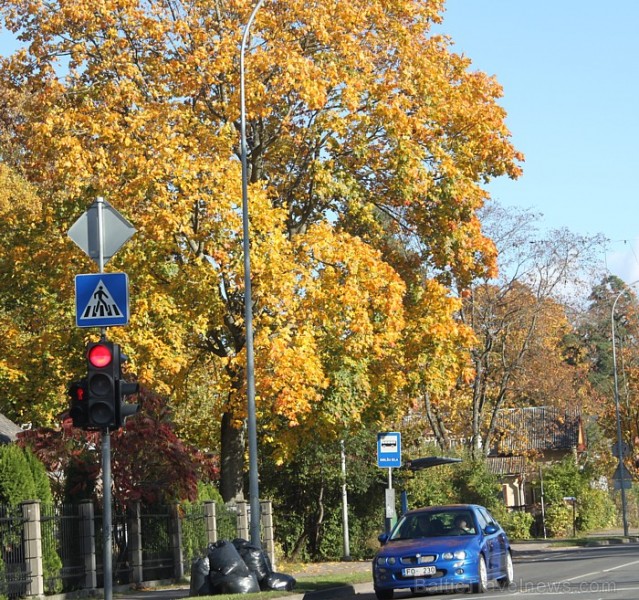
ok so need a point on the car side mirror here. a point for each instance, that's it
(383, 538)
(490, 529)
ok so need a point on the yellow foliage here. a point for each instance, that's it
(368, 138)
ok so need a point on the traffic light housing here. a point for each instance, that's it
(124, 388)
(102, 381)
(79, 408)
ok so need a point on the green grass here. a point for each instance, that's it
(305, 583)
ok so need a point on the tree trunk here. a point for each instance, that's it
(299, 546)
(232, 460)
(317, 526)
(436, 422)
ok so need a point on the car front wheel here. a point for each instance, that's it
(482, 585)
(383, 594)
(505, 581)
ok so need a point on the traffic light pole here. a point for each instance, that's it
(107, 548)
(107, 553)
(83, 233)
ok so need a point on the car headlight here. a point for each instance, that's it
(383, 560)
(457, 555)
(391, 560)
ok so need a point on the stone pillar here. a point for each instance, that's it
(176, 543)
(87, 543)
(242, 520)
(135, 543)
(268, 534)
(210, 521)
(32, 547)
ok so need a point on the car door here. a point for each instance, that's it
(494, 544)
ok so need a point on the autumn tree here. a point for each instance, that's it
(595, 341)
(521, 321)
(364, 130)
(35, 313)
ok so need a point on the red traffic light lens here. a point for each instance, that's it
(100, 356)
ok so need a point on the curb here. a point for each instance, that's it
(329, 594)
(613, 541)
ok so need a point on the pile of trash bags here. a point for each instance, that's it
(236, 567)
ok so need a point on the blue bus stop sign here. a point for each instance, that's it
(389, 449)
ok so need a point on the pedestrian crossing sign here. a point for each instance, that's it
(101, 299)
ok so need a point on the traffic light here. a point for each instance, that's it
(102, 377)
(124, 388)
(79, 409)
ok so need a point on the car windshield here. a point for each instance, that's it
(434, 524)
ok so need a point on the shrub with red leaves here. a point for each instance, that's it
(149, 462)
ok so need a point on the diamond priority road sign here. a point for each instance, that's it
(101, 299)
(88, 232)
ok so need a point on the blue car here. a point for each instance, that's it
(443, 548)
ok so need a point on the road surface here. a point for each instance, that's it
(599, 573)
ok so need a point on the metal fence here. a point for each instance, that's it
(61, 548)
(14, 575)
(157, 547)
(148, 544)
(120, 565)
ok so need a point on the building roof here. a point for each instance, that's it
(506, 465)
(8, 430)
(538, 428)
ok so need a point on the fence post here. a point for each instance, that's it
(210, 521)
(242, 523)
(32, 546)
(176, 543)
(267, 530)
(87, 543)
(135, 542)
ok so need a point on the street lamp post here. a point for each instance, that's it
(622, 484)
(254, 494)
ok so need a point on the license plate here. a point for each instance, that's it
(418, 571)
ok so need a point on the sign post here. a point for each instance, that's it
(389, 455)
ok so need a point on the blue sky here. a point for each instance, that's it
(570, 72)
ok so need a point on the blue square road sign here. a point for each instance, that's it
(101, 299)
(389, 449)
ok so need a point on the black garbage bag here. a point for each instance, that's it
(200, 585)
(278, 581)
(233, 584)
(254, 558)
(225, 559)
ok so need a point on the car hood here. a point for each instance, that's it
(429, 545)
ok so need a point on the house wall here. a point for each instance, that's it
(513, 492)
